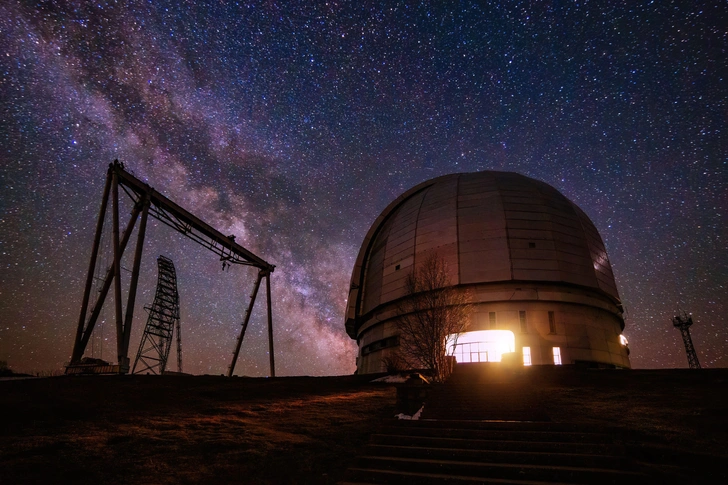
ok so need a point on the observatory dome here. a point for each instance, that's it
(532, 260)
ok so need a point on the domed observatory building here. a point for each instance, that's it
(532, 261)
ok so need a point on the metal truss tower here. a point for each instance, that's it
(163, 318)
(683, 323)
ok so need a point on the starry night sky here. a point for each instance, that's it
(293, 124)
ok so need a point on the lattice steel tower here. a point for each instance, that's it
(683, 322)
(163, 318)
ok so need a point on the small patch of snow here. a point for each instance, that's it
(414, 417)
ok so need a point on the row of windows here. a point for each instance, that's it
(522, 320)
(380, 344)
(468, 352)
(527, 355)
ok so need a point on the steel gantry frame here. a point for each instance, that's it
(148, 201)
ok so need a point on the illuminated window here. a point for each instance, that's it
(522, 317)
(481, 345)
(552, 323)
(557, 355)
(526, 355)
(491, 316)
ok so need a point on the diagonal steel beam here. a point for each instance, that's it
(248, 311)
(134, 279)
(92, 267)
(78, 352)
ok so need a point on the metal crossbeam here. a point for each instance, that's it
(174, 216)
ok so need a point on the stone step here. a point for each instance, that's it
(484, 394)
(466, 404)
(496, 445)
(495, 434)
(495, 394)
(479, 413)
(547, 458)
(493, 425)
(566, 474)
(372, 477)
(461, 401)
(477, 382)
(484, 388)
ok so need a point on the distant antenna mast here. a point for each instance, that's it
(683, 322)
(163, 318)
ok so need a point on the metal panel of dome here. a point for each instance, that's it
(401, 239)
(601, 264)
(540, 245)
(374, 266)
(483, 243)
(537, 264)
(400, 247)
(437, 224)
(564, 232)
(372, 289)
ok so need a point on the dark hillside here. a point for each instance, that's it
(176, 429)
(149, 429)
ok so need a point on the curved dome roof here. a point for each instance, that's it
(488, 227)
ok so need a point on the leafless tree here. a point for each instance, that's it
(430, 312)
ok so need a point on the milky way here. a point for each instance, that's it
(293, 124)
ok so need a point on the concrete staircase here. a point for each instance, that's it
(463, 451)
(488, 426)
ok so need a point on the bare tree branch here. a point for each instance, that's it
(430, 312)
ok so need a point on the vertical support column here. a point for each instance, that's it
(270, 326)
(179, 347)
(117, 274)
(107, 283)
(245, 323)
(77, 352)
(134, 279)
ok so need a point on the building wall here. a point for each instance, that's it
(586, 325)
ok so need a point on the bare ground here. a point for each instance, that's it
(176, 429)
(149, 429)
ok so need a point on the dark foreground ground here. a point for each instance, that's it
(177, 429)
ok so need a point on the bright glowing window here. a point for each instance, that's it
(557, 355)
(526, 355)
(481, 345)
